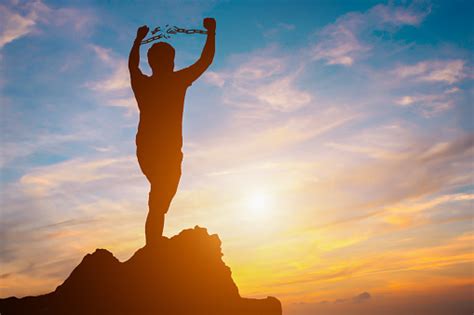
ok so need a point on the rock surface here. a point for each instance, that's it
(183, 275)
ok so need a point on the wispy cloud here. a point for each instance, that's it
(14, 25)
(397, 15)
(115, 86)
(280, 28)
(264, 81)
(448, 71)
(18, 19)
(118, 79)
(430, 104)
(339, 43)
(329, 273)
(363, 297)
(438, 300)
(430, 167)
(271, 138)
(360, 298)
(12, 151)
(53, 179)
(343, 42)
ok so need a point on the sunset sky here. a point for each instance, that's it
(330, 146)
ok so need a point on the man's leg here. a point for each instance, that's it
(154, 228)
(155, 219)
(158, 204)
(159, 201)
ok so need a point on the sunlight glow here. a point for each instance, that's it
(259, 204)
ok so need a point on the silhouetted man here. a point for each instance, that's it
(160, 99)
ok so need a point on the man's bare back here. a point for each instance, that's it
(160, 99)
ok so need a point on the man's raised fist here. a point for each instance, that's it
(142, 31)
(210, 24)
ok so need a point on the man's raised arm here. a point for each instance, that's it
(194, 71)
(134, 58)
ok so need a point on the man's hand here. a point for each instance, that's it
(141, 32)
(210, 25)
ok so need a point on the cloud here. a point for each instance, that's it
(360, 298)
(281, 95)
(272, 138)
(119, 78)
(53, 179)
(117, 81)
(115, 87)
(430, 166)
(12, 151)
(445, 71)
(363, 297)
(417, 205)
(214, 78)
(262, 82)
(271, 32)
(401, 266)
(370, 162)
(430, 104)
(13, 25)
(339, 43)
(444, 151)
(104, 54)
(398, 16)
(23, 18)
(439, 300)
(343, 41)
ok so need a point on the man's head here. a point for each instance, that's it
(161, 57)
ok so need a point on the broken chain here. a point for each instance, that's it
(170, 30)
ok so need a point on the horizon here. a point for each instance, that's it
(329, 146)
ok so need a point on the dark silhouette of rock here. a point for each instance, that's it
(181, 275)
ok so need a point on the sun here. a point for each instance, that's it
(258, 204)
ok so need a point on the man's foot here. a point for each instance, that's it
(156, 242)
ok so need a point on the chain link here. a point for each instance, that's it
(189, 31)
(170, 31)
(146, 41)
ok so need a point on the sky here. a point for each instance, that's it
(329, 145)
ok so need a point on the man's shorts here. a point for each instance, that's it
(161, 167)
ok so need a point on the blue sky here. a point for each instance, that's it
(352, 120)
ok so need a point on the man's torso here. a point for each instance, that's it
(161, 103)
